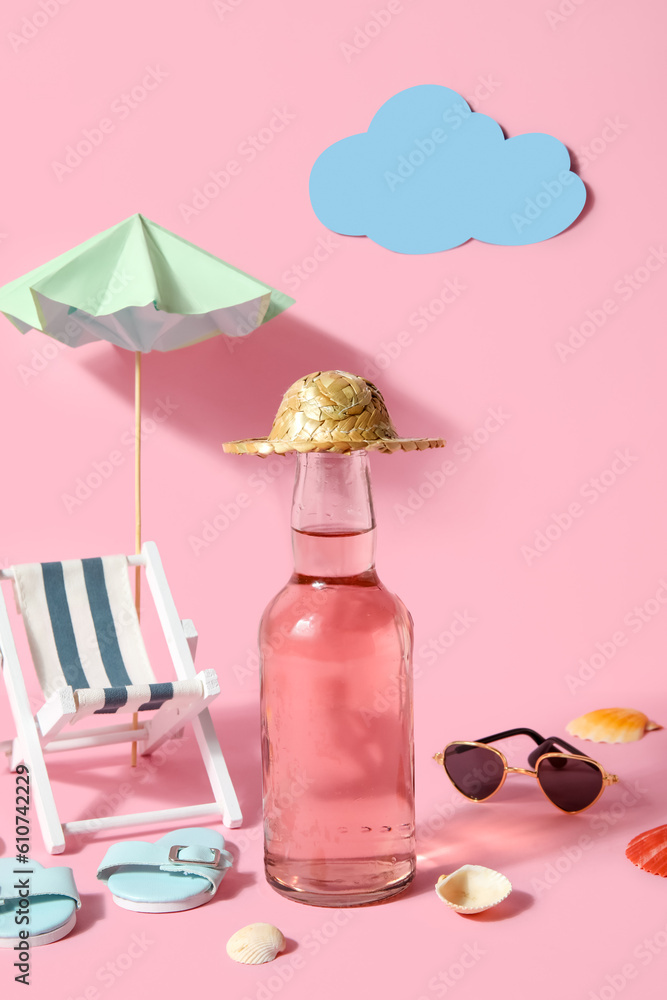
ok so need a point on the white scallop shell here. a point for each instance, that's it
(473, 888)
(255, 944)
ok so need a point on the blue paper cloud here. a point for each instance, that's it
(430, 173)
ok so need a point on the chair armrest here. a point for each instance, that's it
(209, 682)
(56, 711)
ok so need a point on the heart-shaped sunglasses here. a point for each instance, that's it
(571, 781)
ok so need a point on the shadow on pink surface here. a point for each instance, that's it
(172, 776)
(93, 908)
(525, 831)
(228, 389)
(518, 902)
(576, 164)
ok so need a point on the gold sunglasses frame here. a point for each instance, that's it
(607, 778)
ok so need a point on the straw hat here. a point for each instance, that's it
(331, 411)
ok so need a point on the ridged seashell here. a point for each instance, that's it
(648, 851)
(255, 944)
(473, 888)
(612, 725)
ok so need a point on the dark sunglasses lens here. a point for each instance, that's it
(476, 771)
(570, 784)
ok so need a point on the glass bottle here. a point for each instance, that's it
(336, 702)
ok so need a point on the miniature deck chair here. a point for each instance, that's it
(88, 651)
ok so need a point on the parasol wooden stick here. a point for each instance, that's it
(137, 511)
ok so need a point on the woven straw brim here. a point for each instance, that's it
(331, 411)
(264, 446)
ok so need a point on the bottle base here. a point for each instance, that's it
(340, 884)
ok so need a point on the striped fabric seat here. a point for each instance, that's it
(84, 633)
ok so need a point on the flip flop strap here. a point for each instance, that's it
(26, 882)
(190, 859)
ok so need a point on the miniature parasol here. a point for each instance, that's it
(143, 288)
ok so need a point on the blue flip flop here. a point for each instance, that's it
(179, 871)
(48, 897)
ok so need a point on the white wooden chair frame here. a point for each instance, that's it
(43, 734)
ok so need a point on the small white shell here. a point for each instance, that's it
(255, 944)
(473, 888)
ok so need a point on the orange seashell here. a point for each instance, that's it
(649, 851)
(612, 725)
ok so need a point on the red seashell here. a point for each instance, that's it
(648, 851)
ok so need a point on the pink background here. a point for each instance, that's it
(578, 919)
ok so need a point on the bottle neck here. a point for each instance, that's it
(333, 524)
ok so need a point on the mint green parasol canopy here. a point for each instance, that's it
(141, 287)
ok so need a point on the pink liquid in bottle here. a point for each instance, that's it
(337, 744)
